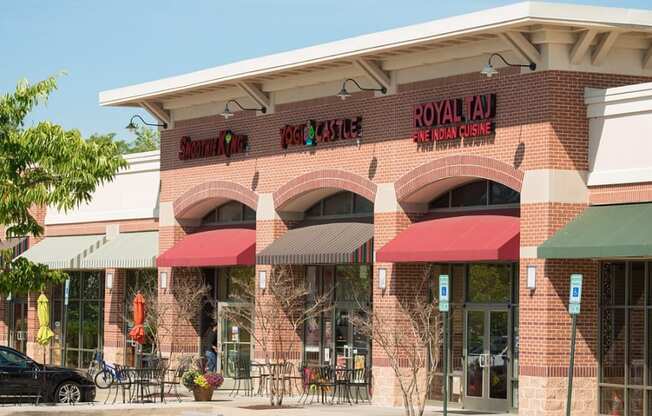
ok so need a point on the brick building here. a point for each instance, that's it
(108, 247)
(433, 168)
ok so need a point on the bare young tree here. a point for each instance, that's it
(411, 341)
(190, 295)
(276, 319)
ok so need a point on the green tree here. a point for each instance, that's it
(104, 139)
(146, 140)
(42, 165)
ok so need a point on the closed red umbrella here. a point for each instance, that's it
(137, 333)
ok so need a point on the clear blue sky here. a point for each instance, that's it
(108, 44)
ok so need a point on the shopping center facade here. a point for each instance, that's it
(444, 170)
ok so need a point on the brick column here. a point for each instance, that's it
(33, 348)
(114, 317)
(545, 324)
(268, 230)
(387, 225)
(4, 320)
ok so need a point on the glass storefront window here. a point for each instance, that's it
(613, 346)
(476, 194)
(230, 212)
(489, 283)
(332, 338)
(341, 204)
(472, 194)
(84, 317)
(338, 204)
(145, 281)
(625, 348)
(352, 283)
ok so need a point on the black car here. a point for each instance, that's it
(23, 379)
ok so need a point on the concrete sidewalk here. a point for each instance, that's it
(222, 404)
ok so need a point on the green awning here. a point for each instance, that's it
(603, 232)
(64, 252)
(126, 251)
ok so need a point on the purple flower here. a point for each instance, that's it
(214, 380)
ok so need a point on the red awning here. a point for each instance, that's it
(225, 247)
(461, 238)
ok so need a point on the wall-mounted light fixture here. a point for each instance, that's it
(262, 279)
(490, 71)
(109, 280)
(164, 280)
(382, 278)
(132, 127)
(531, 282)
(344, 93)
(227, 113)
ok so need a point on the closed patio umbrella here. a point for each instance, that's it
(45, 334)
(137, 333)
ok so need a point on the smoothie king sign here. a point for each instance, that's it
(454, 118)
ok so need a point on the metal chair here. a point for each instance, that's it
(242, 376)
(361, 379)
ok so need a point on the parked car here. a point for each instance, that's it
(23, 379)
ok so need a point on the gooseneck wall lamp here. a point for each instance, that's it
(344, 93)
(490, 71)
(227, 113)
(133, 126)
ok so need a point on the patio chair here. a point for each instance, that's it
(242, 376)
(361, 380)
(291, 375)
(326, 383)
(261, 375)
(171, 378)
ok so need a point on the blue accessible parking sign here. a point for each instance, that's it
(575, 296)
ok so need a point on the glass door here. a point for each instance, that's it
(351, 345)
(234, 341)
(487, 358)
(18, 322)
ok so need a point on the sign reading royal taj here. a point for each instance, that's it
(226, 143)
(454, 118)
(313, 132)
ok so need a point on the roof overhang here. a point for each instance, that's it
(501, 22)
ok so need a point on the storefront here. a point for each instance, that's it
(108, 248)
(218, 251)
(456, 163)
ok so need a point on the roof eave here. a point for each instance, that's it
(357, 47)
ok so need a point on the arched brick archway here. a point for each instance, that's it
(197, 201)
(419, 179)
(302, 191)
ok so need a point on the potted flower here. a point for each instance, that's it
(201, 384)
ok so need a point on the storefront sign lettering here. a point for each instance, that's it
(313, 132)
(226, 143)
(454, 118)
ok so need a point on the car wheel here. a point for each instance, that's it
(68, 392)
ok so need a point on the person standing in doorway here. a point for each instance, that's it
(213, 352)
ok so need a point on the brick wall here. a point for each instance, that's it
(99, 227)
(4, 323)
(540, 124)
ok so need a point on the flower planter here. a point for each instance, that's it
(203, 395)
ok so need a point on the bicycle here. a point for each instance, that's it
(109, 374)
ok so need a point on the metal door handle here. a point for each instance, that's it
(481, 360)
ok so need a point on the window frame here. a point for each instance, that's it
(487, 206)
(351, 214)
(626, 386)
(215, 212)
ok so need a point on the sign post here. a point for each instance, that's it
(444, 291)
(66, 294)
(574, 301)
